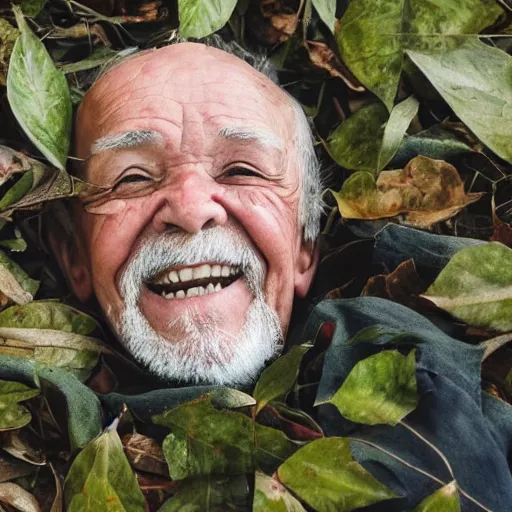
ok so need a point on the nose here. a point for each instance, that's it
(187, 203)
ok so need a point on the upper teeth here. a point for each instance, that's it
(201, 272)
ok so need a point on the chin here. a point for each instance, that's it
(204, 354)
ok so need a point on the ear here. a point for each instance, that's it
(305, 268)
(72, 258)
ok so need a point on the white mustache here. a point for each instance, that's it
(219, 244)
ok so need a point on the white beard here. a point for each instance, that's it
(205, 354)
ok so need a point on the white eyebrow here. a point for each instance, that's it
(126, 140)
(264, 137)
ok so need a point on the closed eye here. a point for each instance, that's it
(241, 171)
(132, 178)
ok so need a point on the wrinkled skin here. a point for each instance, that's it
(188, 92)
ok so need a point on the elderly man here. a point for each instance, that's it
(207, 231)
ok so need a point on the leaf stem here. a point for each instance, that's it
(447, 464)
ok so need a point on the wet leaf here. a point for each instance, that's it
(271, 496)
(12, 414)
(356, 143)
(445, 499)
(480, 94)
(324, 474)
(399, 120)
(205, 441)
(427, 191)
(14, 495)
(200, 18)
(48, 315)
(8, 36)
(476, 286)
(326, 9)
(372, 36)
(39, 96)
(101, 478)
(279, 378)
(212, 494)
(380, 389)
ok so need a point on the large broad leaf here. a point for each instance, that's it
(324, 475)
(445, 499)
(101, 478)
(210, 494)
(39, 95)
(271, 496)
(47, 315)
(372, 36)
(278, 379)
(206, 441)
(427, 191)
(200, 18)
(13, 415)
(379, 389)
(474, 79)
(476, 286)
(356, 143)
(326, 9)
(399, 120)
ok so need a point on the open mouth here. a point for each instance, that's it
(193, 281)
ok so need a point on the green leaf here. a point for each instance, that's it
(474, 81)
(445, 499)
(476, 286)
(8, 36)
(210, 494)
(38, 95)
(205, 441)
(101, 478)
(31, 7)
(15, 282)
(200, 18)
(13, 415)
(399, 120)
(380, 389)
(372, 36)
(278, 379)
(17, 191)
(48, 315)
(356, 143)
(325, 476)
(326, 9)
(98, 57)
(271, 496)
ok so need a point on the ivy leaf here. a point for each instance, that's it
(474, 80)
(278, 379)
(445, 499)
(38, 95)
(13, 415)
(372, 36)
(200, 18)
(356, 143)
(101, 478)
(204, 441)
(326, 9)
(399, 120)
(380, 389)
(324, 474)
(271, 496)
(476, 286)
(427, 191)
(212, 494)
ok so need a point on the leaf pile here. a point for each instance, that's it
(411, 106)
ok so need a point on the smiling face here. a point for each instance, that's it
(199, 239)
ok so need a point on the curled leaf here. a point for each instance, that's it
(14, 495)
(380, 389)
(426, 191)
(13, 415)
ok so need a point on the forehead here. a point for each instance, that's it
(182, 86)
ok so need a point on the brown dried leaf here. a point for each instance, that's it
(324, 58)
(145, 454)
(16, 496)
(273, 21)
(427, 191)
